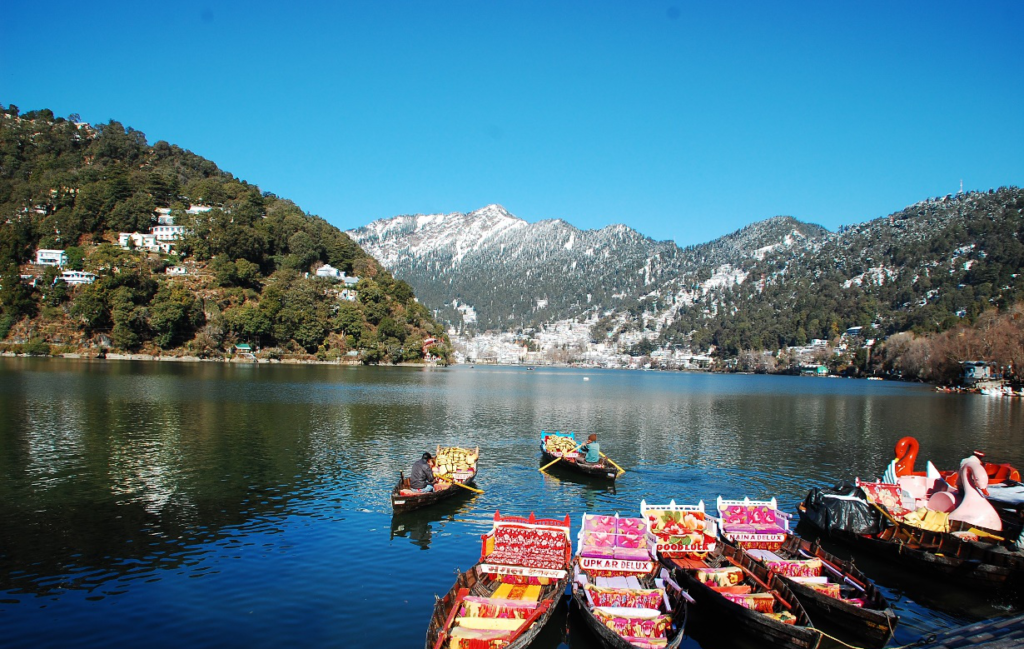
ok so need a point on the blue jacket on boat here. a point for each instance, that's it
(593, 451)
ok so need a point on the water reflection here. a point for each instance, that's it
(420, 526)
(245, 495)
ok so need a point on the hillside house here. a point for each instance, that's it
(168, 232)
(141, 241)
(74, 277)
(51, 257)
(176, 271)
(329, 272)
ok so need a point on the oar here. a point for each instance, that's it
(549, 464)
(612, 462)
(459, 484)
(835, 571)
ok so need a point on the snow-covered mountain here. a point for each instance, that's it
(489, 270)
(774, 283)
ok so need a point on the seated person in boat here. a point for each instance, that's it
(422, 477)
(592, 449)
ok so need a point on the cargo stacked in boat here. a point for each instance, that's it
(511, 593)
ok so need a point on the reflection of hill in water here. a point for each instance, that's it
(130, 481)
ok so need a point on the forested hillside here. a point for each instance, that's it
(245, 260)
(927, 268)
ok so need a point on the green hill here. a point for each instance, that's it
(244, 265)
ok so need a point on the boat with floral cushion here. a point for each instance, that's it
(723, 580)
(453, 462)
(972, 557)
(837, 596)
(753, 523)
(625, 598)
(564, 447)
(505, 600)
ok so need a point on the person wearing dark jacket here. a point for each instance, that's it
(422, 477)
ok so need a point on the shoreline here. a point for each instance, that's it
(355, 363)
(196, 359)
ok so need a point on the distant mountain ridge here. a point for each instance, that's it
(775, 283)
(490, 270)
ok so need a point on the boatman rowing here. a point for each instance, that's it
(422, 477)
(592, 449)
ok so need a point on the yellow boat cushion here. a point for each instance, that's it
(518, 591)
(489, 623)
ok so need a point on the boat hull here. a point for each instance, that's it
(870, 625)
(600, 471)
(407, 503)
(731, 615)
(608, 638)
(470, 580)
(969, 564)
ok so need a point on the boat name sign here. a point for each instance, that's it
(619, 565)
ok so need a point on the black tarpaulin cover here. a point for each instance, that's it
(841, 508)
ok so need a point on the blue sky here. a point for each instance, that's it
(683, 120)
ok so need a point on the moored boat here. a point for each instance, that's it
(966, 555)
(623, 596)
(562, 447)
(511, 593)
(723, 579)
(837, 596)
(454, 465)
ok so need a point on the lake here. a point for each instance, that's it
(226, 505)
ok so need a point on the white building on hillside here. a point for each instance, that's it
(51, 257)
(141, 241)
(77, 277)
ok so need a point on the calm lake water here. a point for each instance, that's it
(213, 505)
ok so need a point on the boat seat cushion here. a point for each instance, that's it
(829, 589)
(603, 524)
(729, 576)
(464, 638)
(635, 526)
(761, 602)
(634, 622)
(646, 643)
(530, 593)
(489, 623)
(473, 606)
(755, 528)
(796, 567)
(641, 598)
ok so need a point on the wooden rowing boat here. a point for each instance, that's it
(723, 579)
(405, 499)
(775, 617)
(508, 597)
(837, 596)
(950, 556)
(625, 602)
(572, 460)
